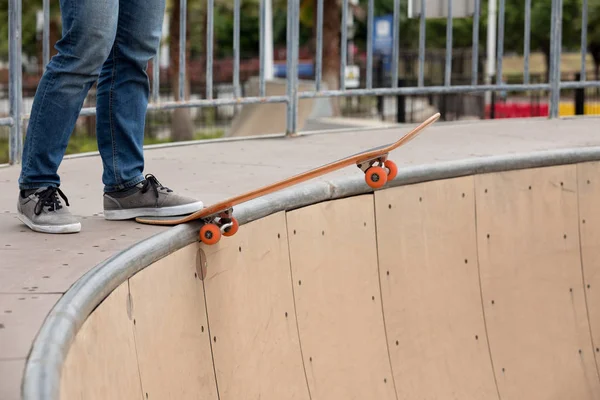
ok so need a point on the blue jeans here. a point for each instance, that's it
(111, 42)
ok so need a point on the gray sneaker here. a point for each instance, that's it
(42, 211)
(147, 199)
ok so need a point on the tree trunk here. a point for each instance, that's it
(331, 47)
(182, 127)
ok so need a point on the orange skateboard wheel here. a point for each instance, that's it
(392, 169)
(210, 234)
(233, 229)
(376, 177)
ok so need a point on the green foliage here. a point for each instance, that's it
(541, 13)
(29, 37)
(223, 27)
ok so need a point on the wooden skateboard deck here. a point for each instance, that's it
(218, 217)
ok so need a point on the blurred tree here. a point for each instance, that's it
(31, 39)
(28, 38)
(331, 47)
(332, 18)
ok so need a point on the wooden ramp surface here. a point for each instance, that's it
(479, 287)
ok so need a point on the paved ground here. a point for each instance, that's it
(35, 269)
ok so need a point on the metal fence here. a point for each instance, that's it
(293, 95)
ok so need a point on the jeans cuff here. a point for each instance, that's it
(131, 183)
(37, 185)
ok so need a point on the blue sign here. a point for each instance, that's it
(305, 70)
(383, 31)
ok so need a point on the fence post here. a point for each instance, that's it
(15, 84)
(293, 32)
(555, 55)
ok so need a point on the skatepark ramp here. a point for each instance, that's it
(477, 279)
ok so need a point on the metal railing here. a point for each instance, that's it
(292, 96)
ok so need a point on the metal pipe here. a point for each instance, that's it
(491, 46)
(527, 39)
(422, 45)
(475, 61)
(171, 105)
(344, 52)
(15, 83)
(424, 90)
(288, 63)
(261, 45)
(8, 121)
(555, 56)
(292, 66)
(46, 33)
(584, 28)
(209, 49)
(156, 76)
(500, 49)
(269, 56)
(580, 84)
(396, 43)
(182, 46)
(448, 74)
(295, 45)
(370, 27)
(319, 55)
(558, 55)
(217, 102)
(551, 62)
(236, 48)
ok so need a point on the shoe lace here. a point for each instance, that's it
(49, 198)
(152, 183)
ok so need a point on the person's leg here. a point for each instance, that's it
(89, 29)
(123, 91)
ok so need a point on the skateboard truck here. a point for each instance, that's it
(378, 171)
(215, 226)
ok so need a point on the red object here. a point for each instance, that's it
(517, 110)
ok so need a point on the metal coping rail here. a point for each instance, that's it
(292, 95)
(43, 367)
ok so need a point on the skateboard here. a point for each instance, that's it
(218, 218)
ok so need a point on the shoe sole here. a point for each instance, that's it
(68, 228)
(119, 215)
